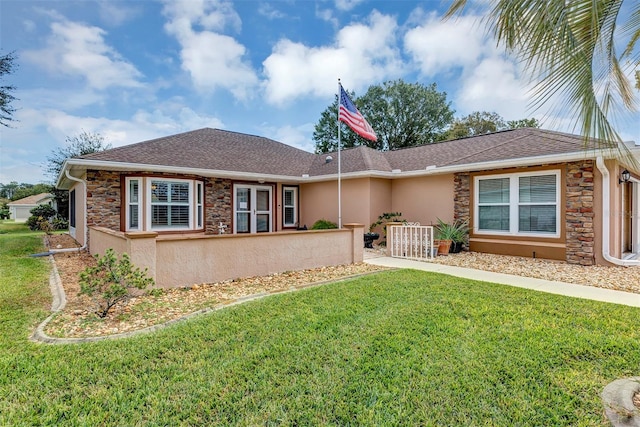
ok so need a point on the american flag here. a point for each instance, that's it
(349, 114)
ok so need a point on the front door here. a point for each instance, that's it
(252, 209)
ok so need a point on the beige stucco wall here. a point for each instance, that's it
(424, 199)
(182, 260)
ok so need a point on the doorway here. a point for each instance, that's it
(252, 209)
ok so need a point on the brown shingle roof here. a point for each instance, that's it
(505, 145)
(213, 149)
(32, 200)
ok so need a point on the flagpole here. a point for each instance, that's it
(339, 165)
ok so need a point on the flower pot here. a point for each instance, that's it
(443, 247)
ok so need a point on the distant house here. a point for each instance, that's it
(526, 192)
(19, 210)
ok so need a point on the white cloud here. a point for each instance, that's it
(212, 59)
(268, 11)
(360, 55)
(295, 136)
(116, 13)
(494, 85)
(346, 5)
(75, 49)
(439, 46)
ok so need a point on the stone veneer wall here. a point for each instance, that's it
(579, 213)
(104, 200)
(461, 200)
(218, 207)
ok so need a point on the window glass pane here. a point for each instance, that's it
(288, 197)
(179, 215)
(494, 190)
(72, 208)
(159, 191)
(262, 222)
(537, 218)
(133, 191)
(159, 215)
(262, 200)
(179, 192)
(289, 216)
(537, 189)
(242, 220)
(494, 218)
(133, 216)
(242, 199)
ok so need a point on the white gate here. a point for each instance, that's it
(412, 241)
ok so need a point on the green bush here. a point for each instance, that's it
(112, 281)
(5, 213)
(323, 224)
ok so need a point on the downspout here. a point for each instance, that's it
(86, 229)
(606, 215)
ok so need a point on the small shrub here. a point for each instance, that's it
(39, 214)
(46, 226)
(5, 213)
(112, 281)
(323, 224)
(60, 223)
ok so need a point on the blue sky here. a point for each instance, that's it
(136, 70)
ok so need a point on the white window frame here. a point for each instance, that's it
(140, 203)
(514, 204)
(196, 203)
(253, 212)
(198, 212)
(293, 206)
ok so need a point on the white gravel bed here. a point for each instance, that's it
(618, 278)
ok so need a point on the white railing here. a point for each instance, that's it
(412, 241)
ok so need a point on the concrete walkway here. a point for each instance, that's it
(560, 288)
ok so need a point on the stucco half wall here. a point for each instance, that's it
(183, 260)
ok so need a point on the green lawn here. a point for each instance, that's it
(396, 348)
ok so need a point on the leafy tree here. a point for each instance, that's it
(84, 143)
(481, 122)
(80, 145)
(7, 66)
(523, 123)
(112, 281)
(402, 115)
(26, 190)
(571, 48)
(7, 190)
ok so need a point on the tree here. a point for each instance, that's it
(7, 66)
(571, 48)
(481, 122)
(402, 115)
(26, 190)
(80, 145)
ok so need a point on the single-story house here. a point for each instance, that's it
(20, 210)
(527, 192)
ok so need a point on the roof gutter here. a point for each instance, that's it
(606, 215)
(86, 229)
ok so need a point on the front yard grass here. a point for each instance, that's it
(394, 348)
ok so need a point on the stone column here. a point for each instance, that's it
(579, 214)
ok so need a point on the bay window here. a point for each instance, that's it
(163, 204)
(518, 204)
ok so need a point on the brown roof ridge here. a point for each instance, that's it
(493, 147)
